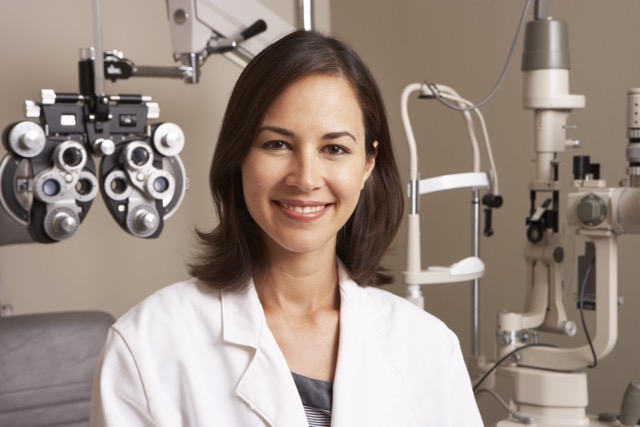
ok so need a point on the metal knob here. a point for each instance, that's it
(591, 210)
(146, 221)
(168, 139)
(143, 221)
(31, 139)
(27, 139)
(570, 328)
(63, 223)
(104, 146)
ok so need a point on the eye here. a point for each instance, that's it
(275, 145)
(335, 150)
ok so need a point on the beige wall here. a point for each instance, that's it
(463, 43)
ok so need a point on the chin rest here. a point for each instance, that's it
(47, 363)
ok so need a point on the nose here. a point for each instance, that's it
(306, 172)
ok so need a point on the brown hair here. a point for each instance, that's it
(233, 252)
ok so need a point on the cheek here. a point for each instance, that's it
(349, 184)
(258, 179)
(360, 173)
(250, 181)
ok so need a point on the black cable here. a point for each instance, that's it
(505, 357)
(434, 89)
(584, 326)
(581, 305)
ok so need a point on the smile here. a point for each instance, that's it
(302, 209)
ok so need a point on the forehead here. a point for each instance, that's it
(316, 96)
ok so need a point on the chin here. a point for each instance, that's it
(306, 246)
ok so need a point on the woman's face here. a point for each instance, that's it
(304, 172)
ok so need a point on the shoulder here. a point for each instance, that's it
(399, 315)
(402, 313)
(171, 309)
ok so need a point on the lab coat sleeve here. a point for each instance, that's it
(465, 408)
(118, 396)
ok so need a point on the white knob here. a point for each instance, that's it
(169, 139)
(104, 146)
(173, 139)
(27, 139)
(31, 139)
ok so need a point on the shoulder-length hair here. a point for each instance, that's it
(233, 252)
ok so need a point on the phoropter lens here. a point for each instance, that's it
(140, 156)
(72, 156)
(84, 187)
(161, 184)
(51, 187)
(118, 185)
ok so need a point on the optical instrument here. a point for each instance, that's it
(550, 382)
(76, 145)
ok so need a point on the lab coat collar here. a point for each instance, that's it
(266, 385)
(366, 383)
(268, 388)
(243, 319)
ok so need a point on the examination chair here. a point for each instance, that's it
(46, 367)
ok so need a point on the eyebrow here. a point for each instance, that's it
(336, 135)
(278, 130)
(288, 133)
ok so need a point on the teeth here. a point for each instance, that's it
(305, 209)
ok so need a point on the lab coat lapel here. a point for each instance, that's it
(366, 384)
(267, 385)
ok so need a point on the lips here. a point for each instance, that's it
(301, 210)
(304, 209)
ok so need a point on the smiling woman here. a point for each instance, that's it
(231, 254)
(303, 175)
(282, 324)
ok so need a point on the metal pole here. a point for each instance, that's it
(97, 40)
(540, 9)
(475, 295)
(305, 14)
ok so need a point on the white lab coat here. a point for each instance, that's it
(191, 355)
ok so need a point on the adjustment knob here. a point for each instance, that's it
(143, 221)
(26, 139)
(173, 139)
(61, 223)
(168, 139)
(591, 210)
(569, 328)
(104, 146)
(31, 139)
(146, 221)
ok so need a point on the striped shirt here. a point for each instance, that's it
(317, 397)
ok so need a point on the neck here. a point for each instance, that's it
(301, 283)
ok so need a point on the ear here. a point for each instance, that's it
(371, 163)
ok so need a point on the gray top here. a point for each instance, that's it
(317, 398)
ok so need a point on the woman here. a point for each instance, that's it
(281, 324)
